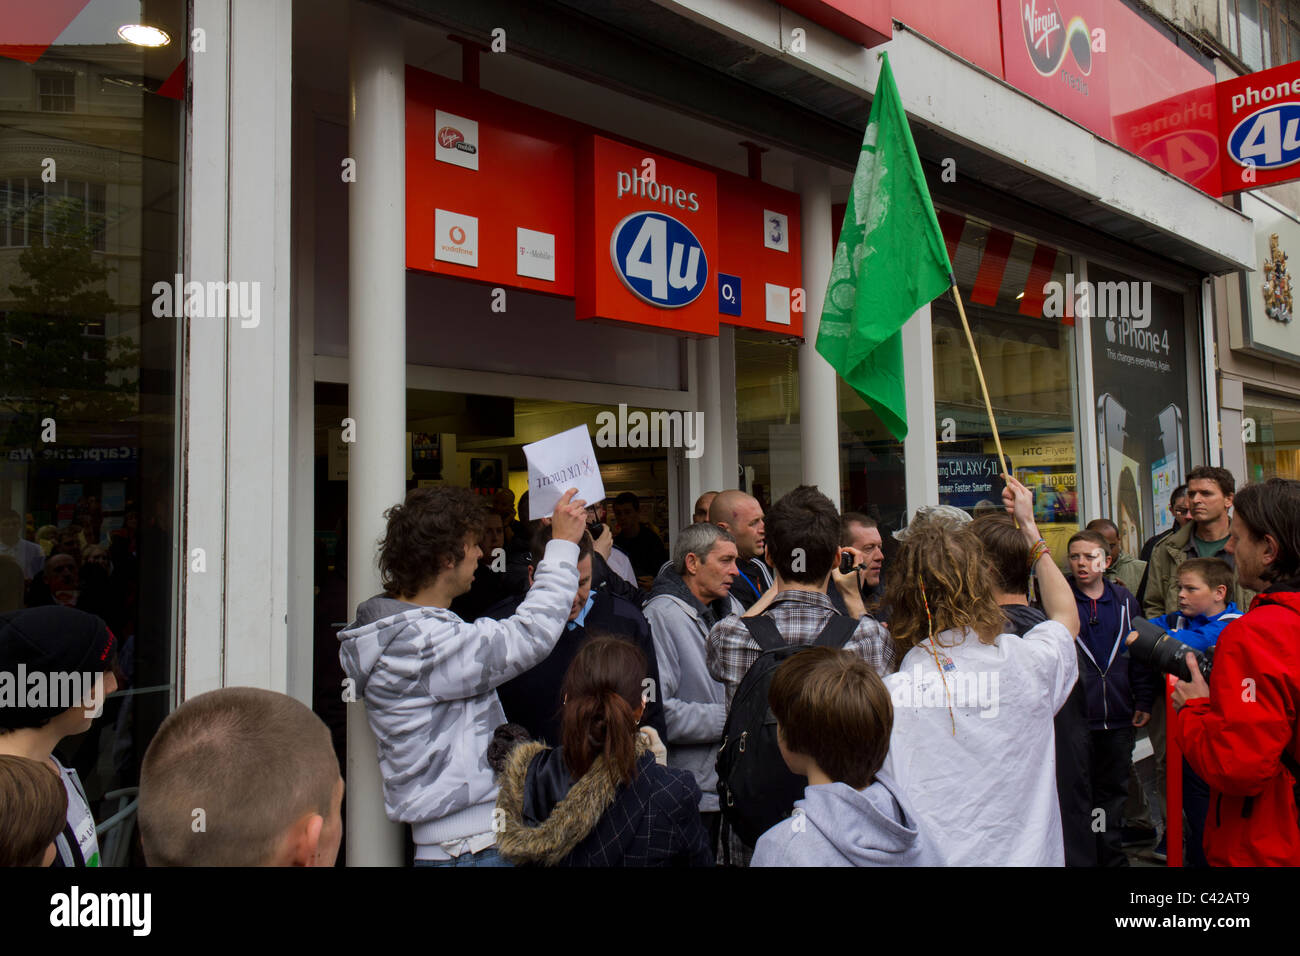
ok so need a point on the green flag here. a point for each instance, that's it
(890, 261)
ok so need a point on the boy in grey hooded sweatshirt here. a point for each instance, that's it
(834, 718)
(429, 679)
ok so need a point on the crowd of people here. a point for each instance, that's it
(771, 692)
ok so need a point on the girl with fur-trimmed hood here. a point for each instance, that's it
(604, 797)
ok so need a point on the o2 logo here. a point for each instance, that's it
(659, 259)
(1268, 138)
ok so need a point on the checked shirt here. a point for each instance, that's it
(800, 617)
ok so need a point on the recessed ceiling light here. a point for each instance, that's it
(141, 35)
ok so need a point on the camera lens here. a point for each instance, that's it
(1163, 652)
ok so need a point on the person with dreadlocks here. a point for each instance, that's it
(972, 744)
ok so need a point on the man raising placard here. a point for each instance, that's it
(429, 679)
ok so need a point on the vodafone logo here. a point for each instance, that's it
(459, 242)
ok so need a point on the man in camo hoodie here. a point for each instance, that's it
(429, 679)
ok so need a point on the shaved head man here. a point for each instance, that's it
(702, 505)
(740, 514)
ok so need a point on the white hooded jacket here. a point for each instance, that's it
(429, 684)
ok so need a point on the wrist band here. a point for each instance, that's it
(1039, 549)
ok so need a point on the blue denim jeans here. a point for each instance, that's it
(488, 857)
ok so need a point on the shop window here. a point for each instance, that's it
(1026, 348)
(1271, 433)
(1140, 382)
(476, 442)
(871, 463)
(88, 381)
(767, 415)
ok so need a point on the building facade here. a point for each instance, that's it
(404, 223)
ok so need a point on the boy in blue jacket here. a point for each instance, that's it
(1204, 610)
(1203, 606)
(1119, 690)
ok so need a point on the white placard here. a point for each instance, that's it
(778, 303)
(455, 237)
(457, 140)
(536, 254)
(776, 231)
(558, 463)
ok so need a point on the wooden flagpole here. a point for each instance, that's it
(979, 371)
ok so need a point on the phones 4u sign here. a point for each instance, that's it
(1259, 128)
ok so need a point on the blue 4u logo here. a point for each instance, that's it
(1268, 138)
(659, 259)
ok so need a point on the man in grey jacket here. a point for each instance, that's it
(429, 679)
(688, 598)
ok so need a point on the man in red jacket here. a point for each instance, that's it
(1235, 731)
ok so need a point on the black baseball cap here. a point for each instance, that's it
(51, 639)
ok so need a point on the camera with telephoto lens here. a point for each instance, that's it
(1163, 652)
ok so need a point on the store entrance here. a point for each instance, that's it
(472, 441)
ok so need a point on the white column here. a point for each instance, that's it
(727, 398)
(819, 431)
(238, 369)
(920, 447)
(376, 370)
(302, 519)
(686, 476)
(1215, 446)
(1088, 458)
(201, 647)
(1232, 449)
(710, 403)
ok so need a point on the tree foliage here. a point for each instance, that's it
(49, 366)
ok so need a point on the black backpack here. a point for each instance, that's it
(755, 789)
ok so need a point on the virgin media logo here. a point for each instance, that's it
(1041, 28)
(1048, 37)
(449, 137)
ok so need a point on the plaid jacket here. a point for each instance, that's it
(651, 821)
(800, 617)
(655, 821)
